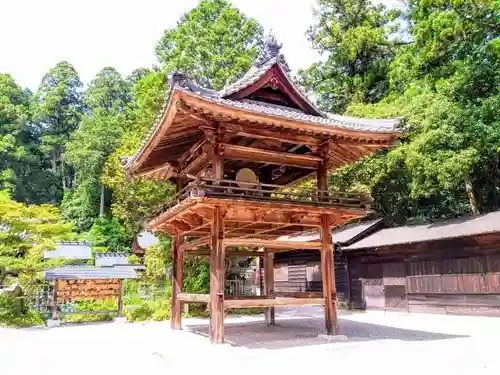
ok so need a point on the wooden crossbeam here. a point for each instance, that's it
(191, 297)
(269, 244)
(195, 243)
(261, 302)
(270, 157)
(253, 132)
(229, 254)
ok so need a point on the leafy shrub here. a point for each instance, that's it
(14, 312)
(139, 313)
(98, 305)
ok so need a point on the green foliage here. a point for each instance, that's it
(359, 41)
(158, 309)
(14, 312)
(57, 109)
(97, 136)
(83, 306)
(445, 84)
(108, 235)
(26, 231)
(156, 259)
(135, 199)
(22, 166)
(222, 43)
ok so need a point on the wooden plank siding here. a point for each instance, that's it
(459, 276)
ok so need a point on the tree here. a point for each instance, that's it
(25, 232)
(358, 41)
(135, 199)
(57, 110)
(214, 43)
(97, 136)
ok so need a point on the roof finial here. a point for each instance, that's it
(269, 50)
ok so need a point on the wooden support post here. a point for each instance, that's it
(269, 285)
(328, 276)
(327, 262)
(217, 276)
(177, 271)
(120, 298)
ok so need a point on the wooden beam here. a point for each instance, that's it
(298, 294)
(195, 243)
(196, 165)
(192, 297)
(270, 157)
(257, 242)
(243, 303)
(284, 137)
(229, 254)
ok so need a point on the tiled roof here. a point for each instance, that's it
(351, 123)
(461, 227)
(70, 250)
(341, 235)
(110, 259)
(180, 81)
(88, 272)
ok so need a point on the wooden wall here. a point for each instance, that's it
(459, 276)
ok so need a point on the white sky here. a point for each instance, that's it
(91, 34)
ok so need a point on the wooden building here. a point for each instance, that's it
(299, 271)
(452, 267)
(232, 154)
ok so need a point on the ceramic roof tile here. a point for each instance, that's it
(461, 227)
(89, 272)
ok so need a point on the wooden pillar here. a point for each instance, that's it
(217, 278)
(269, 312)
(327, 261)
(177, 272)
(328, 276)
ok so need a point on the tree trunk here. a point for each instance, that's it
(103, 195)
(54, 160)
(472, 198)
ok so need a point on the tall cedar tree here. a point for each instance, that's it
(57, 110)
(358, 42)
(97, 136)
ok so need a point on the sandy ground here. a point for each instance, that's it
(381, 343)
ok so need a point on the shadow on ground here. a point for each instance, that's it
(298, 332)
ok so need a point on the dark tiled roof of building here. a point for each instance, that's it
(345, 122)
(461, 227)
(341, 235)
(89, 272)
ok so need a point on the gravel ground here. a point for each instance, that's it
(385, 343)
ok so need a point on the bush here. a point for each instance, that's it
(14, 312)
(98, 305)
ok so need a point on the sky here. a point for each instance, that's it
(92, 34)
